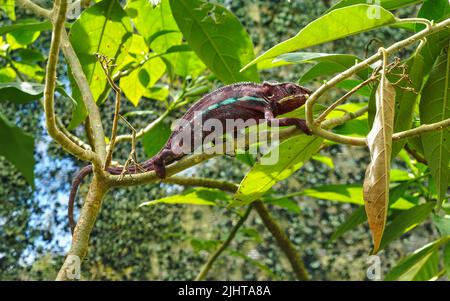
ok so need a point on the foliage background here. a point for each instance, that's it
(169, 242)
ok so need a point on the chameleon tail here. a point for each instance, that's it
(147, 166)
(73, 192)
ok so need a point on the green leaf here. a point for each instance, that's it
(408, 268)
(446, 256)
(157, 92)
(32, 71)
(442, 223)
(155, 23)
(399, 175)
(320, 70)
(217, 37)
(24, 92)
(30, 56)
(19, 149)
(143, 77)
(29, 26)
(327, 64)
(337, 24)
(359, 215)
(246, 158)
(155, 139)
(103, 28)
(349, 84)
(196, 196)
(283, 202)
(188, 63)
(345, 61)
(433, 10)
(7, 75)
(328, 161)
(405, 101)
(387, 4)
(23, 36)
(352, 193)
(204, 244)
(291, 154)
(430, 270)
(405, 222)
(20, 93)
(339, 193)
(355, 128)
(8, 7)
(435, 107)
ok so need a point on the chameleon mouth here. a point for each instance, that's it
(290, 97)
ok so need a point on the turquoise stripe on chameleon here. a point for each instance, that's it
(229, 101)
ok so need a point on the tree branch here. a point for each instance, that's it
(145, 130)
(319, 131)
(36, 9)
(49, 91)
(85, 224)
(283, 241)
(80, 78)
(420, 130)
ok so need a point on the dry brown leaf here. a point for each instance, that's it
(376, 182)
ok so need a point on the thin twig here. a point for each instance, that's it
(145, 130)
(106, 65)
(283, 241)
(415, 155)
(36, 9)
(212, 258)
(343, 98)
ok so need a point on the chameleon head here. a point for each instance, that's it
(286, 96)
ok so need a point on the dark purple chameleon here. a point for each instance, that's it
(244, 101)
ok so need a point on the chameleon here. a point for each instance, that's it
(245, 101)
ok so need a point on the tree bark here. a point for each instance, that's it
(85, 224)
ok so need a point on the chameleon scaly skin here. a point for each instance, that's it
(244, 101)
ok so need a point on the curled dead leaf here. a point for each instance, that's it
(379, 141)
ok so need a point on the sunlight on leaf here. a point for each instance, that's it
(292, 154)
(196, 196)
(337, 24)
